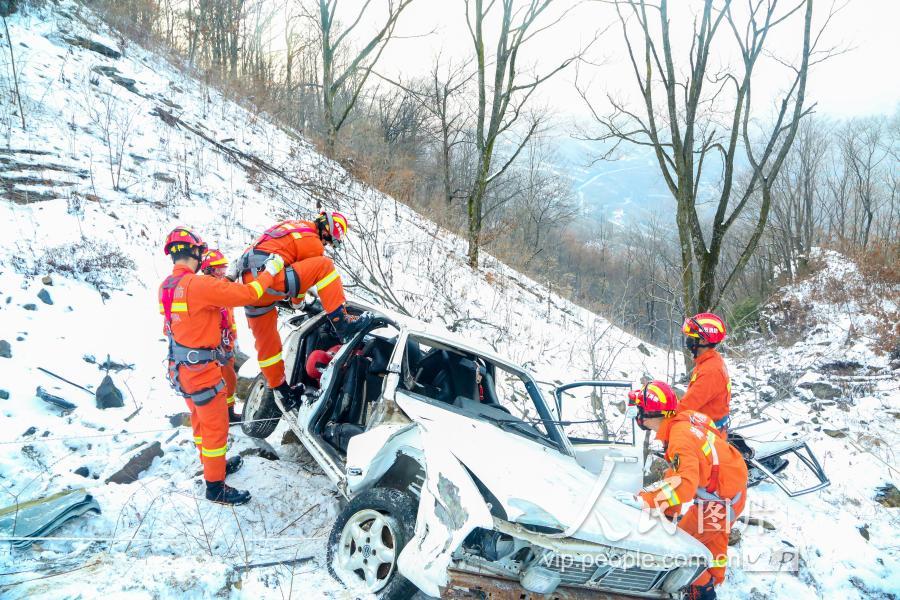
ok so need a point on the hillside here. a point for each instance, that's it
(828, 366)
(116, 151)
(188, 155)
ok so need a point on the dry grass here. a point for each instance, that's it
(875, 292)
(96, 262)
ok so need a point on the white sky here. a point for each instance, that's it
(862, 81)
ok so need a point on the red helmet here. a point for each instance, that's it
(213, 259)
(181, 238)
(335, 225)
(318, 360)
(654, 399)
(706, 326)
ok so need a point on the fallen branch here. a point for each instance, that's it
(277, 563)
(55, 400)
(61, 378)
(756, 521)
(56, 574)
(306, 512)
(244, 159)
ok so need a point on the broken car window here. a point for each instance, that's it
(592, 413)
(512, 396)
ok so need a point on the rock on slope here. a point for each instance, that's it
(826, 367)
(118, 150)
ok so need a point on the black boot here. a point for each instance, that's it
(702, 592)
(233, 465)
(233, 417)
(346, 325)
(288, 396)
(217, 491)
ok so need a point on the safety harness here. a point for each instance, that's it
(253, 260)
(710, 492)
(226, 352)
(279, 230)
(180, 354)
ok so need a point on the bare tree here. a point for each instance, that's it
(442, 95)
(215, 28)
(681, 120)
(115, 123)
(546, 201)
(445, 90)
(502, 96)
(402, 119)
(6, 9)
(343, 78)
(863, 150)
(796, 197)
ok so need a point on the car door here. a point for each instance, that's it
(310, 408)
(602, 432)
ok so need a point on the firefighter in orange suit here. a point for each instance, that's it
(706, 483)
(192, 309)
(302, 246)
(214, 264)
(709, 390)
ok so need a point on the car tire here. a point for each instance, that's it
(396, 510)
(260, 416)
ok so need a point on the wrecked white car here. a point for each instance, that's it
(461, 477)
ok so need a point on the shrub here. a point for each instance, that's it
(744, 319)
(97, 262)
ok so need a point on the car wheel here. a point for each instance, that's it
(260, 416)
(366, 540)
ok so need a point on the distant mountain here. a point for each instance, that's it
(626, 188)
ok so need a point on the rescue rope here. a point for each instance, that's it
(103, 435)
(89, 538)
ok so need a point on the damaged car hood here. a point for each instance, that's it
(539, 486)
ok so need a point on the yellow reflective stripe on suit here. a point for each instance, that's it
(268, 362)
(214, 452)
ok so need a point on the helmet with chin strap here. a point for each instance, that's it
(183, 243)
(332, 226)
(705, 326)
(181, 239)
(703, 330)
(212, 260)
(653, 400)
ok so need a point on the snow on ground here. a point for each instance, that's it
(822, 370)
(71, 212)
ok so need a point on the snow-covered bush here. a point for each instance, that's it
(97, 262)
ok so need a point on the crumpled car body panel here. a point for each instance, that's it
(450, 507)
(537, 485)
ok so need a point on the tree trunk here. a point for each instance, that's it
(445, 159)
(12, 60)
(473, 205)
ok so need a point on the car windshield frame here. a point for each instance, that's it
(558, 392)
(555, 434)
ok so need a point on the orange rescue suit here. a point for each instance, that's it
(196, 323)
(710, 498)
(709, 391)
(299, 245)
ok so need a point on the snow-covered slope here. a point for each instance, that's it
(189, 155)
(824, 368)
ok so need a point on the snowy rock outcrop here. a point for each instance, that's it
(825, 367)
